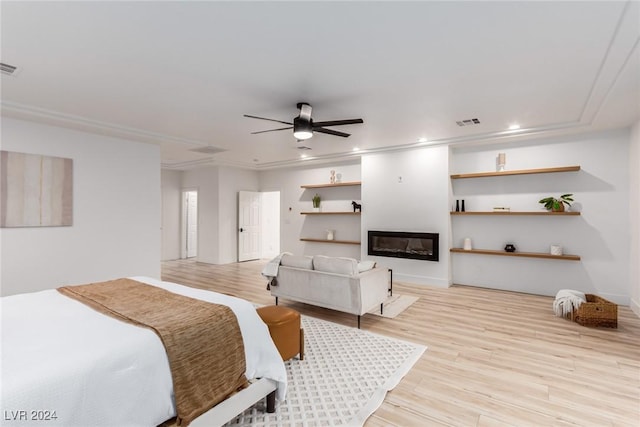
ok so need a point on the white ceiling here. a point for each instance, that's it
(182, 74)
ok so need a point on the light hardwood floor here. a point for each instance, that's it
(494, 358)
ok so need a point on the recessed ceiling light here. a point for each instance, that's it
(303, 156)
(356, 149)
(422, 139)
(514, 126)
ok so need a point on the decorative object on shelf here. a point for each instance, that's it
(467, 244)
(557, 204)
(501, 209)
(510, 247)
(338, 178)
(502, 160)
(330, 234)
(316, 203)
(332, 178)
(462, 206)
(457, 205)
(356, 206)
(556, 250)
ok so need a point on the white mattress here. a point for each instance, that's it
(60, 356)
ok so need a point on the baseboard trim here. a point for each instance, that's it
(635, 306)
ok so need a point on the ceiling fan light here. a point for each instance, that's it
(303, 134)
(302, 129)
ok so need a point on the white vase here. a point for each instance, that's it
(467, 244)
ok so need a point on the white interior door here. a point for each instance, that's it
(249, 227)
(189, 234)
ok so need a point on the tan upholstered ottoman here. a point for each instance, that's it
(284, 327)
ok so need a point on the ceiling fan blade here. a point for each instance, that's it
(338, 122)
(271, 130)
(331, 132)
(271, 120)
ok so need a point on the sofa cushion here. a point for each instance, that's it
(338, 265)
(297, 261)
(366, 266)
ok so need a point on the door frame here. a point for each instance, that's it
(183, 221)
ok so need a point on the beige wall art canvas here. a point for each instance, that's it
(35, 191)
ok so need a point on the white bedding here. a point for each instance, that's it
(60, 356)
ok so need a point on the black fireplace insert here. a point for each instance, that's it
(403, 244)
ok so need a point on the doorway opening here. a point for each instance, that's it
(189, 244)
(258, 225)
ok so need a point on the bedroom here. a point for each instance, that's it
(118, 179)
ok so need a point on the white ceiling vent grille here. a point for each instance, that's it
(8, 70)
(468, 122)
(208, 150)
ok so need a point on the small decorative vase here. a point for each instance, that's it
(510, 248)
(467, 244)
(560, 208)
(330, 234)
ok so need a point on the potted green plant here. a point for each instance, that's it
(557, 204)
(316, 202)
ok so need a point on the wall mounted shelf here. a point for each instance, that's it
(516, 254)
(340, 242)
(329, 213)
(516, 172)
(337, 184)
(540, 213)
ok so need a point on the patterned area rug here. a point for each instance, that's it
(394, 306)
(343, 379)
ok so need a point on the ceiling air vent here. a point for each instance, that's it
(302, 147)
(468, 122)
(8, 70)
(207, 150)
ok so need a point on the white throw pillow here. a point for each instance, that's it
(338, 265)
(297, 261)
(366, 265)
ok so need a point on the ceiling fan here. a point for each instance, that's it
(303, 126)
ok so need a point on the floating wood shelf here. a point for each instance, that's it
(516, 172)
(340, 242)
(337, 184)
(516, 254)
(329, 213)
(542, 213)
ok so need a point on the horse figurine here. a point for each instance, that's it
(356, 206)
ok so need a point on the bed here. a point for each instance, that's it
(65, 364)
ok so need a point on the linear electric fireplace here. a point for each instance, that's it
(402, 244)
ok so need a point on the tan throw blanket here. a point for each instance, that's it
(203, 340)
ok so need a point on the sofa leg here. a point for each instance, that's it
(276, 300)
(381, 308)
(358, 321)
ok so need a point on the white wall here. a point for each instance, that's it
(116, 212)
(270, 224)
(408, 191)
(600, 235)
(171, 213)
(634, 218)
(205, 180)
(294, 200)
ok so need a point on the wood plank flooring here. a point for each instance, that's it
(494, 358)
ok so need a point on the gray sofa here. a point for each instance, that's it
(336, 283)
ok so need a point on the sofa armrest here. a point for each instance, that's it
(373, 288)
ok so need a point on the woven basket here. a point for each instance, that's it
(597, 311)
